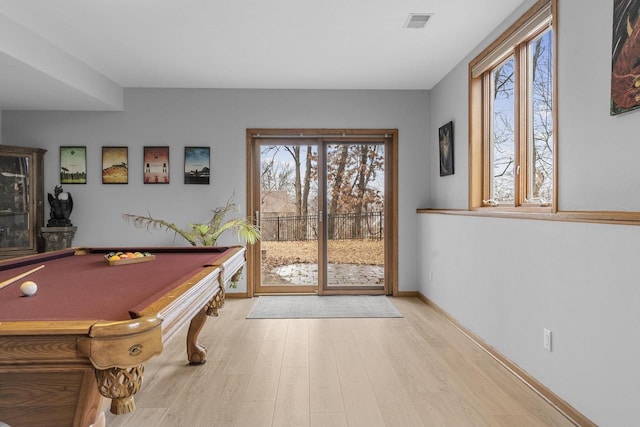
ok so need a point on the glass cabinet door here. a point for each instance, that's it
(15, 197)
(21, 200)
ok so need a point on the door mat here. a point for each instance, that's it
(314, 307)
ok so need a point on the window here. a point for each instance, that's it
(512, 117)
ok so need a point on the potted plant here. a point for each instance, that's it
(205, 234)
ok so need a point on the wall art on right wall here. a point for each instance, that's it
(445, 142)
(625, 54)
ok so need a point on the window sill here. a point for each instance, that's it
(601, 217)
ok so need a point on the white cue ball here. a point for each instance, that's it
(28, 288)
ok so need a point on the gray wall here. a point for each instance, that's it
(216, 118)
(520, 276)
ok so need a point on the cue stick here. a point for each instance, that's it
(19, 276)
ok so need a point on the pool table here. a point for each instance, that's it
(91, 326)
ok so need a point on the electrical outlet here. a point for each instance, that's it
(547, 339)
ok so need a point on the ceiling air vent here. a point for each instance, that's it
(417, 20)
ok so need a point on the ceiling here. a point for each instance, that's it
(80, 54)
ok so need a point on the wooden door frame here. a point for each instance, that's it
(391, 193)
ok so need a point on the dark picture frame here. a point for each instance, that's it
(156, 165)
(73, 165)
(197, 165)
(445, 144)
(115, 165)
(625, 69)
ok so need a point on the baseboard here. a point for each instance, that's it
(553, 399)
(236, 295)
(407, 294)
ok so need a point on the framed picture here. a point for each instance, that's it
(445, 139)
(115, 165)
(156, 165)
(625, 68)
(196, 165)
(73, 165)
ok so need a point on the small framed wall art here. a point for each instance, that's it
(73, 165)
(156, 165)
(197, 163)
(115, 165)
(445, 142)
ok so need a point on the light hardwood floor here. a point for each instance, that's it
(415, 371)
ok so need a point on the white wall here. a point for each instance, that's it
(520, 276)
(217, 118)
(578, 280)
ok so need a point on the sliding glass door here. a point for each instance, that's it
(354, 204)
(324, 208)
(288, 216)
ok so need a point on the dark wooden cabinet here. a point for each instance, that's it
(21, 200)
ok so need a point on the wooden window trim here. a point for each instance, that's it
(528, 26)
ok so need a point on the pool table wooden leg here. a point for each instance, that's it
(216, 303)
(120, 385)
(197, 353)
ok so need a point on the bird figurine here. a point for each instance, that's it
(61, 204)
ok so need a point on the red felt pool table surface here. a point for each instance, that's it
(86, 287)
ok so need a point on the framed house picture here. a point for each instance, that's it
(197, 165)
(156, 165)
(625, 67)
(73, 165)
(445, 142)
(115, 165)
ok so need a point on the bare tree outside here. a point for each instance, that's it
(540, 188)
(540, 140)
(274, 175)
(503, 142)
(289, 213)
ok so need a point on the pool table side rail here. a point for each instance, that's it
(35, 259)
(46, 327)
(232, 265)
(20, 342)
(182, 304)
(234, 257)
(123, 344)
(151, 249)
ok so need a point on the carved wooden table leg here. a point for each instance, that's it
(197, 353)
(216, 303)
(120, 385)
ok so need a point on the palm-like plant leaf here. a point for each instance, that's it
(203, 234)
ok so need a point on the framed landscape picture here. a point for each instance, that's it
(197, 165)
(156, 165)
(445, 142)
(73, 165)
(115, 165)
(625, 66)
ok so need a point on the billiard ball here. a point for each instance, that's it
(28, 288)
